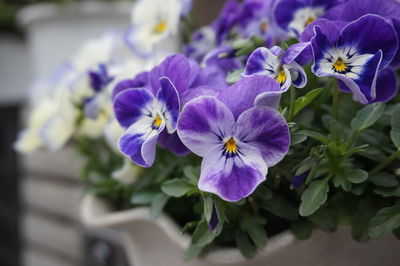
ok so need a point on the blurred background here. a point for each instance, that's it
(39, 195)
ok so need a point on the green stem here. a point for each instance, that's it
(335, 100)
(292, 101)
(386, 162)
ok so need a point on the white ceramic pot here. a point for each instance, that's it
(55, 32)
(160, 243)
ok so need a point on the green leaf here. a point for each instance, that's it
(202, 235)
(192, 252)
(279, 206)
(297, 138)
(306, 100)
(357, 176)
(243, 243)
(383, 179)
(176, 187)
(361, 219)
(395, 123)
(143, 197)
(385, 221)
(315, 135)
(192, 174)
(234, 76)
(158, 204)
(396, 233)
(367, 116)
(256, 232)
(302, 229)
(324, 219)
(208, 208)
(313, 197)
(388, 192)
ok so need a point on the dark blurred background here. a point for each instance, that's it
(39, 194)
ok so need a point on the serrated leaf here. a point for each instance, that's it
(385, 221)
(176, 187)
(305, 100)
(157, 205)
(357, 176)
(202, 235)
(243, 243)
(367, 116)
(302, 229)
(324, 219)
(395, 123)
(191, 173)
(297, 138)
(313, 197)
(256, 232)
(383, 179)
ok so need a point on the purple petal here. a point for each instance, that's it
(203, 123)
(172, 142)
(368, 35)
(139, 142)
(169, 97)
(386, 85)
(241, 96)
(140, 81)
(232, 178)
(331, 29)
(298, 75)
(261, 61)
(176, 68)
(128, 105)
(199, 91)
(211, 76)
(299, 52)
(266, 130)
(298, 180)
(214, 219)
(396, 60)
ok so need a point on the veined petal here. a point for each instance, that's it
(139, 141)
(232, 178)
(299, 52)
(173, 143)
(169, 98)
(261, 61)
(266, 130)
(241, 96)
(297, 74)
(368, 35)
(129, 105)
(204, 122)
(140, 81)
(56, 132)
(386, 85)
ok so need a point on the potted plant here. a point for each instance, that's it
(275, 124)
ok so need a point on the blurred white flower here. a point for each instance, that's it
(128, 173)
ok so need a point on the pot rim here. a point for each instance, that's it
(34, 13)
(103, 216)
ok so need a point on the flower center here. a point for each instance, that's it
(161, 27)
(309, 20)
(339, 66)
(264, 27)
(230, 146)
(281, 77)
(157, 122)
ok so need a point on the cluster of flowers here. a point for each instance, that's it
(225, 100)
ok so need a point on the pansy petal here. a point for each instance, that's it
(265, 129)
(232, 178)
(298, 75)
(240, 96)
(396, 60)
(331, 29)
(129, 104)
(299, 52)
(261, 61)
(139, 141)
(386, 85)
(193, 93)
(204, 122)
(168, 96)
(373, 33)
(56, 132)
(140, 81)
(176, 68)
(173, 143)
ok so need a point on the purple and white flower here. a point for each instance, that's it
(238, 142)
(357, 55)
(271, 63)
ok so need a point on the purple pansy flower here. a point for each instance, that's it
(357, 55)
(354, 9)
(294, 15)
(227, 20)
(238, 142)
(224, 58)
(271, 62)
(203, 41)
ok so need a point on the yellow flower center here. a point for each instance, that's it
(264, 27)
(161, 27)
(339, 65)
(231, 146)
(157, 122)
(309, 20)
(281, 77)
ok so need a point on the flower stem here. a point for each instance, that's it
(292, 102)
(335, 99)
(386, 162)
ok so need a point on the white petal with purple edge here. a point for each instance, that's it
(169, 99)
